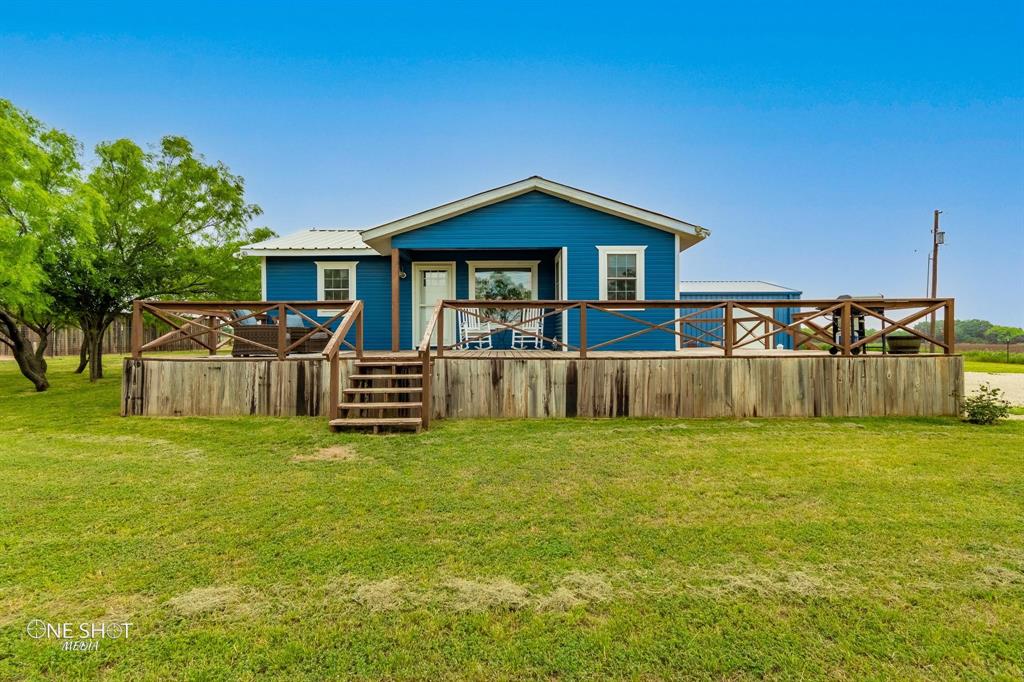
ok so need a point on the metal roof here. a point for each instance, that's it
(732, 286)
(321, 241)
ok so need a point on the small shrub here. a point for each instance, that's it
(986, 406)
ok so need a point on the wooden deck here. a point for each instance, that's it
(322, 368)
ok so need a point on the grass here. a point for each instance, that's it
(995, 356)
(644, 549)
(992, 367)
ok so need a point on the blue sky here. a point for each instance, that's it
(813, 139)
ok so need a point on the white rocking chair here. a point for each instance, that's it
(532, 324)
(474, 332)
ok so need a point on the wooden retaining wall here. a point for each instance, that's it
(230, 387)
(788, 386)
(784, 386)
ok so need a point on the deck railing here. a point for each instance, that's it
(837, 325)
(215, 325)
(353, 316)
(424, 355)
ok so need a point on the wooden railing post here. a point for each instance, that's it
(359, 330)
(729, 331)
(440, 332)
(137, 329)
(949, 328)
(212, 335)
(425, 382)
(282, 331)
(334, 390)
(583, 329)
(846, 327)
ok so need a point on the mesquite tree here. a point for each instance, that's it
(170, 224)
(45, 233)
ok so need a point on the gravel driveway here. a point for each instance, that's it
(1012, 384)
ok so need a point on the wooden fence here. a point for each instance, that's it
(68, 340)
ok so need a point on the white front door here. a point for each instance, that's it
(431, 282)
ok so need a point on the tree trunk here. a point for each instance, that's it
(31, 363)
(97, 330)
(83, 352)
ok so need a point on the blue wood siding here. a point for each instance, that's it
(538, 220)
(293, 278)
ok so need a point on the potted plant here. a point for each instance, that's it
(903, 344)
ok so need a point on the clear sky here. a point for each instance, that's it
(813, 139)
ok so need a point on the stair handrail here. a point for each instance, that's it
(354, 315)
(424, 353)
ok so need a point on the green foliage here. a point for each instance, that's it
(1005, 334)
(986, 406)
(171, 229)
(972, 331)
(45, 213)
(46, 216)
(170, 217)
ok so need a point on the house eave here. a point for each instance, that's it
(308, 252)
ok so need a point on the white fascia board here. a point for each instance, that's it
(308, 252)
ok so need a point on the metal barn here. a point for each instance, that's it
(707, 326)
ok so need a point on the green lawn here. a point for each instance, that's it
(639, 549)
(997, 367)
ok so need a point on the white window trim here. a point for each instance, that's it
(602, 269)
(483, 264)
(263, 278)
(322, 265)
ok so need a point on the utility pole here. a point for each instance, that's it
(937, 238)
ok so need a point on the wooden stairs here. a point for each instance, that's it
(382, 393)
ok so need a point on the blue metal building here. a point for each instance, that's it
(735, 290)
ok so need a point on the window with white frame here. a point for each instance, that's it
(335, 281)
(621, 273)
(503, 280)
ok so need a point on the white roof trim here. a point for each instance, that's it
(248, 251)
(380, 237)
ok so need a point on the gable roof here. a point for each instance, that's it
(325, 242)
(377, 240)
(379, 237)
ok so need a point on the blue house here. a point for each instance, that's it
(534, 240)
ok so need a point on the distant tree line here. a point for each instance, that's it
(977, 331)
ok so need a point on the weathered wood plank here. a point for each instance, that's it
(518, 387)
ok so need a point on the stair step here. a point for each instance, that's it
(381, 389)
(378, 421)
(381, 362)
(385, 376)
(374, 406)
